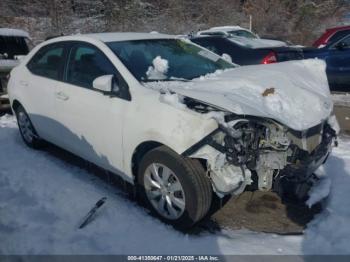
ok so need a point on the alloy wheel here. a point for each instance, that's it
(164, 191)
(26, 127)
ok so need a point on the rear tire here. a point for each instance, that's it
(174, 188)
(27, 130)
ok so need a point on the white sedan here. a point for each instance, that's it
(182, 125)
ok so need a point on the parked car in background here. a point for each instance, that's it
(12, 45)
(337, 57)
(331, 35)
(247, 51)
(237, 31)
(136, 104)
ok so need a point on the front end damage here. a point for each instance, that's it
(263, 155)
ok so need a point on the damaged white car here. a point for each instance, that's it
(184, 126)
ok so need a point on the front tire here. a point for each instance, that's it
(27, 130)
(174, 188)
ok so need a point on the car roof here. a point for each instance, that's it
(338, 28)
(223, 29)
(226, 28)
(115, 36)
(13, 32)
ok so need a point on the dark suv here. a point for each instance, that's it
(245, 51)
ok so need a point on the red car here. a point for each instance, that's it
(331, 35)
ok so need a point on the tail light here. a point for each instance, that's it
(270, 58)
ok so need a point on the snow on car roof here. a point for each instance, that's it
(223, 29)
(255, 43)
(127, 36)
(226, 28)
(13, 32)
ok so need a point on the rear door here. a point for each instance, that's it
(91, 121)
(45, 71)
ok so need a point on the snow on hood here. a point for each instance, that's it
(294, 93)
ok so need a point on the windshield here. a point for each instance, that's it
(10, 46)
(166, 59)
(242, 33)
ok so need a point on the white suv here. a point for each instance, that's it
(184, 126)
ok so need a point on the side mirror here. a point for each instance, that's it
(103, 83)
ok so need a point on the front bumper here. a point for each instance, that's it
(302, 163)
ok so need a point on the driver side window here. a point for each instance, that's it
(344, 43)
(86, 63)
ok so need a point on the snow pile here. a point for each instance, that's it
(158, 70)
(8, 121)
(227, 57)
(246, 90)
(329, 232)
(43, 199)
(322, 188)
(172, 99)
(341, 99)
(225, 28)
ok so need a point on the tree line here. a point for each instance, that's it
(297, 21)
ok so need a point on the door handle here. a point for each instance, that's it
(61, 96)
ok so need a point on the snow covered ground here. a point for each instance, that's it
(42, 201)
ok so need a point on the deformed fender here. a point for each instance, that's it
(178, 129)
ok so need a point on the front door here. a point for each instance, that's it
(91, 121)
(338, 66)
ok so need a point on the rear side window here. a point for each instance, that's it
(48, 62)
(218, 45)
(243, 33)
(208, 44)
(337, 36)
(86, 63)
(345, 42)
(10, 46)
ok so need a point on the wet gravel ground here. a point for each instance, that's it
(264, 212)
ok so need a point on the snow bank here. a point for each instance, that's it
(13, 32)
(341, 99)
(8, 121)
(329, 232)
(322, 188)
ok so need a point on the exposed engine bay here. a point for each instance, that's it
(261, 153)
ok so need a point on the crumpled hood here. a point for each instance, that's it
(294, 93)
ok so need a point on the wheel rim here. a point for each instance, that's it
(164, 191)
(26, 127)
